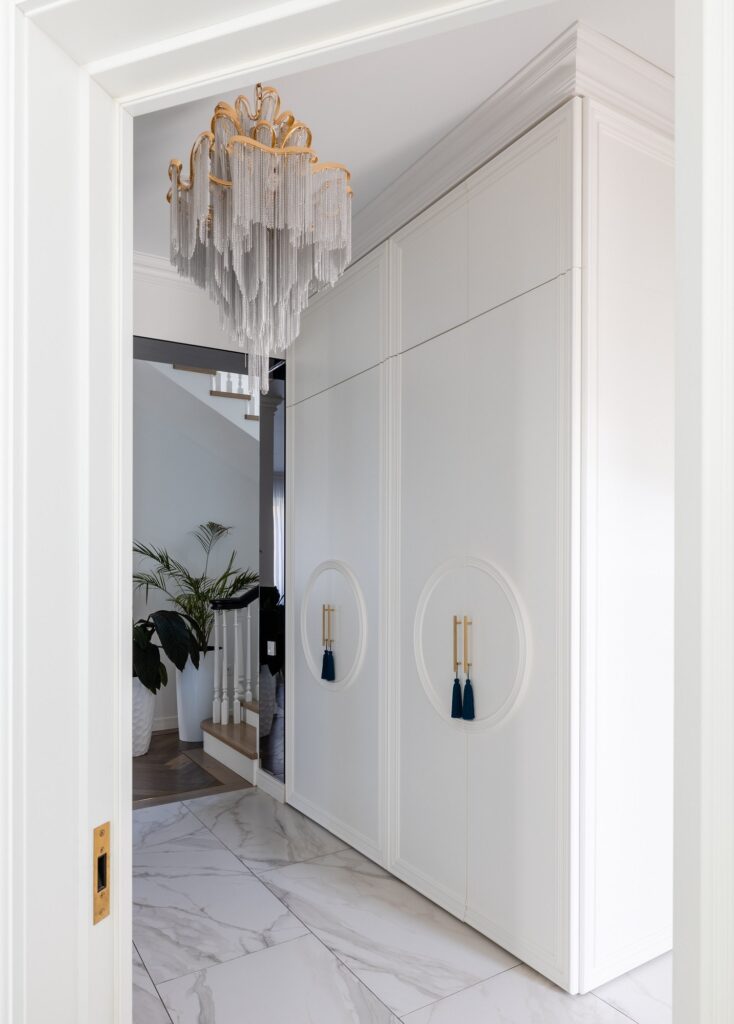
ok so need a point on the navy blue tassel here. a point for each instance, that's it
(327, 666)
(468, 709)
(456, 708)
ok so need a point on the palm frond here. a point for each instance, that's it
(209, 533)
(189, 593)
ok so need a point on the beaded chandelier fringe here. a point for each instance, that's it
(260, 223)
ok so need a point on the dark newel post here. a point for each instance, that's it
(268, 405)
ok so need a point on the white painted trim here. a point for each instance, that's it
(431, 889)
(270, 785)
(139, 98)
(358, 840)
(243, 766)
(158, 268)
(290, 612)
(581, 62)
(12, 795)
(350, 577)
(122, 398)
(205, 34)
(385, 624)
(599, 121)
(704, 656)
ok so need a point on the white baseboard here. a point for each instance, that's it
(270, 785)
(167, 722)
(364, 844)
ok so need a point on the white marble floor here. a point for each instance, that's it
(247, 911)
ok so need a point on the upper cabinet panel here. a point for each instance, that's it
(430, 271)
(521, 206)
(511, 226)
(344, 331)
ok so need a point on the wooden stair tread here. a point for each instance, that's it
(253, 705)
(193, 369)
(230, 394)
(242, 738)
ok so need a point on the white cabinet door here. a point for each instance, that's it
(430, 758)
(482, 816)
(516, 524)
(430, 269)
(336, 774)
(520, 212)
(344, 330)
(509, 227)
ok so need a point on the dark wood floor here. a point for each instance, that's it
(174, 770)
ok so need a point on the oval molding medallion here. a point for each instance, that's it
(439, 699)
(341, 683)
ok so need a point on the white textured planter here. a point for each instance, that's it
(143, 707)
(194, 696)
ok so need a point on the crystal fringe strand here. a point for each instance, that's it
(263, 246)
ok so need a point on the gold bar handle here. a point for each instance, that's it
(323, 625)
(329, 610)
(456, 645)
(467, 662)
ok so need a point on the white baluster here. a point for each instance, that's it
(248, 657)
(217, 705)
(238, 694)
(225, 687)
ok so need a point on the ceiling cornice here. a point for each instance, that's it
(580, 62)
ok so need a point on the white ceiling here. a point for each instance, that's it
(378, 112)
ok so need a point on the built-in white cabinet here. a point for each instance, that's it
(495, 443)
(334, 495)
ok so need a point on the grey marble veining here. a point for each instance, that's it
(407, 950)
(186, 921)
(165, 824)
(147, 1006)
(262, 832)
(300, 982)
(645, 994)
(519, 996)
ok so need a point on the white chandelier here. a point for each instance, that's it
(260, 223)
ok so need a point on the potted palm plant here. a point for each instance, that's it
(191, 595)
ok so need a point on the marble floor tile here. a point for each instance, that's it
(163, 824)
(184, 922)
(645, 994)
(262, 832)
(299, 982)
(147, 1007)
(193, 854)
(407, 950)
(519, 996)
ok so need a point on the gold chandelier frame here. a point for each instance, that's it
(286, 120)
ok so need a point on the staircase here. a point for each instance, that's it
(232, 734)
(229, 386)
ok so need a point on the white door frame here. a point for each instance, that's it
(704, 887)
(704, 777)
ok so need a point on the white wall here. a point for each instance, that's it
(190, 465)
(171, 308)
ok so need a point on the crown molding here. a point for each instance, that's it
(158, 269)
(580, 62)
